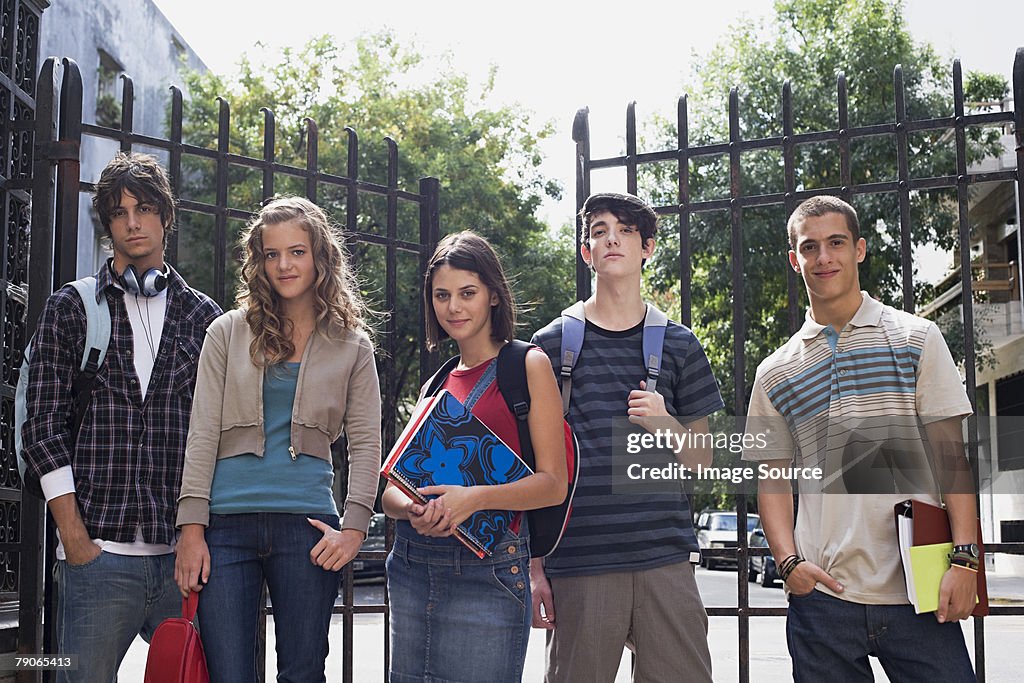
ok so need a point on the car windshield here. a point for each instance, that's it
(728, 522)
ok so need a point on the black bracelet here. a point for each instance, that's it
(788, 565)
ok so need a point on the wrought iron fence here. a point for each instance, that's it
(737, 201)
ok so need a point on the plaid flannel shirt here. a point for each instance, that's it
(128, 458)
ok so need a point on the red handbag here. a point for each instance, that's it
(175, 651)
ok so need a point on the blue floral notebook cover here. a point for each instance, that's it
(446, 444)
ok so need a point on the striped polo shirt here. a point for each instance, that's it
(825, 391)
(614, 531)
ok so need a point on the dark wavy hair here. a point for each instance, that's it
(142, 176)
(336, 302)
(467, 250)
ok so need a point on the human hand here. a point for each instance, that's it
(958, 594)
(807, 575)
(192, 559)
(336, 548)
(458, 502)
(82, 551)
(643, 404)
(540, 594)
(429, 519)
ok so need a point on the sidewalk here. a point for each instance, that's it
(769, 659)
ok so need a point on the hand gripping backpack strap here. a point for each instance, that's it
(574, 324)
(655, 323)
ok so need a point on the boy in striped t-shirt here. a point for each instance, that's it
(855, 366)
(622, 573)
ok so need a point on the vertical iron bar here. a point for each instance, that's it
(581, 136)
(269, 152)
(430, 234)
(683, 199)
(220, 230)
(127, 112)
(903, 166)
(68, 177)
(352, 196)
(32, 597)
(845, 171)
(967, 306)
(312, 158)
(789, 172)
(1018, 133)
(739, 338)
(631, 148)
(171, 252)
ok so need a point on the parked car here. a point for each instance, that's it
(364, 569)
(717, 529)
(763, 566)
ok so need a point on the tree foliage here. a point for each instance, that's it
(486, 158)
(807, 43)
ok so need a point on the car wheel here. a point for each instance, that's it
(710, 564)
(751, 572)
(768, 576)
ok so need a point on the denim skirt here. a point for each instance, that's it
(454, 617)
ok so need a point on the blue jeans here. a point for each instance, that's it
(245, 550)
(831, 639)
(103, 604)
(454, 617)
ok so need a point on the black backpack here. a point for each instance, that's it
(547, 525)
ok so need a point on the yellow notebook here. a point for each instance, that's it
(928, 563)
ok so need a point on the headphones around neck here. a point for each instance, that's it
(150, 283)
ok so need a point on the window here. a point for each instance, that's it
(108, 92)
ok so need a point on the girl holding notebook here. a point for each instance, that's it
(455, 616)
(279, 379)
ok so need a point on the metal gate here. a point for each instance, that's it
(737, 201)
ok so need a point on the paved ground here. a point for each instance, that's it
(769, 661)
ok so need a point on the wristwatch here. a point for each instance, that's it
(970, 549)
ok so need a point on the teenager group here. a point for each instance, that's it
(204, 461)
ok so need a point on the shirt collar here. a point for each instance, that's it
(869, 314)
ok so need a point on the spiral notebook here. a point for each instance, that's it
(444, 443)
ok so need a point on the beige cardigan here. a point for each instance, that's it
(337, 391)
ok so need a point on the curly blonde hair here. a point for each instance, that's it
(337, 304)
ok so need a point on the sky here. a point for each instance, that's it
(556, 56)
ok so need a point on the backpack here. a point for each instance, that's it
(97, 338)
(574, 324)
(547, 525)
(175, 651)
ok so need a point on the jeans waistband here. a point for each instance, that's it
(454, 554)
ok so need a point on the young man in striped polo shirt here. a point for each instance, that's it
(622, 573)
(856, 359)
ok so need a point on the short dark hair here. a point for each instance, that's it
(628, 208)
(820, 206)
(142, 176)
(467, 250)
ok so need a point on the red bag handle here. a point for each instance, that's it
(189, 606)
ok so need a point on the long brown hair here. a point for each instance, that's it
(336, 302)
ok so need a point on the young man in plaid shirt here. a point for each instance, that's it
(112, 490)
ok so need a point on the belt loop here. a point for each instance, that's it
(458, 560)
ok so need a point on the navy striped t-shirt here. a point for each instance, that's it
(614, 531)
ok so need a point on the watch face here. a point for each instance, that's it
(971, 549)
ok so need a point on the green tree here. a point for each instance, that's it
(807, 43)
(486, 158)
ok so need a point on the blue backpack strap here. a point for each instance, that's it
(655, 323)
(97, 329)
(574, 324)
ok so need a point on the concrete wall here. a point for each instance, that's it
(140, 39)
